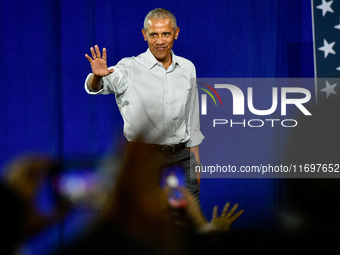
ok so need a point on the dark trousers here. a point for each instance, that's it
(187, 160)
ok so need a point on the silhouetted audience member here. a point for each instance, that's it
(11, 220)
(139, 220)
(19, 187)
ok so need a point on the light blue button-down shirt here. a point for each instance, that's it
(162, 104)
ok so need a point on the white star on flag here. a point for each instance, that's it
(337, 26)
(327, 48)
(329, 89)
(325, 7)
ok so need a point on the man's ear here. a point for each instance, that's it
(144, 34)
(176, 33)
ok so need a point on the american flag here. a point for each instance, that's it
(326, 25)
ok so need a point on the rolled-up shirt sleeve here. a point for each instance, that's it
(196, 136)
(114, 83)
(87, 81)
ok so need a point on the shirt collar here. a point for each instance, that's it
(151, 61)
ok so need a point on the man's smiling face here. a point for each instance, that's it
(160, 36)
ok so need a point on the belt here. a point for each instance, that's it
(173, 148)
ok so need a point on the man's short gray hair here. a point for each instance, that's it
(160, 13)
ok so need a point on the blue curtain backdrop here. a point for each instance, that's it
(44, 106)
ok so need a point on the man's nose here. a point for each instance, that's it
(160, 40)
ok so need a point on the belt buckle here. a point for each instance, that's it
(169, 148)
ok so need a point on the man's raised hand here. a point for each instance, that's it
(98, 63)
